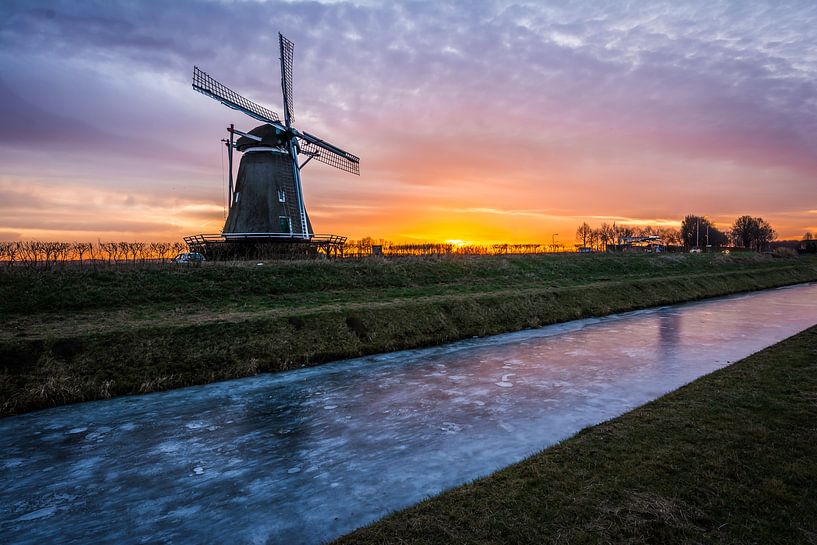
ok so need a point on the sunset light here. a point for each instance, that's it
(542, 119)
(408, 271)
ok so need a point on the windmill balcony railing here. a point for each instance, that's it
(260, 237)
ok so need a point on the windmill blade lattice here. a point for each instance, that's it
(287, 52)
(206, 85)
(328, 154)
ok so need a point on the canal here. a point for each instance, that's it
(308, 455)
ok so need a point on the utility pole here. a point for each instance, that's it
(707, 237)
(230, 145)
(698, 233)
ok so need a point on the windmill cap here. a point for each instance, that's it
(270, 137)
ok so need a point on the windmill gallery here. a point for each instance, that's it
(266, 205)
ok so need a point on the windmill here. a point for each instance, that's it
(266, 200)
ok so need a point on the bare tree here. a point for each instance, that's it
(79, 250)
(179, 247)
(123, 249)
(669, 236)
(92, 254)
(753, 233)
(583, 233)
(625, 231)
(166, 250)
(606, 235)
(62, 253)
(742, 232)
(137, 251)
(9, 251)
(111, 250)
(765, 234)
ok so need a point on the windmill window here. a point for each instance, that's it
(282, 196)
(237, 196)
(284, 224)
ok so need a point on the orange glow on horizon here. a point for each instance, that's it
(573, 113)
(73, 212)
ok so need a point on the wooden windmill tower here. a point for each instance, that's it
(266, 200)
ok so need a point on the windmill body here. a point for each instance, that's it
(266, 201)
(266, 198)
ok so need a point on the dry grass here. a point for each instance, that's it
(48, 358)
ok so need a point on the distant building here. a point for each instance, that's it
(647, 243)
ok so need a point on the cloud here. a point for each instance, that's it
(499, 212)
(539, 214)
(10, 236)
(502, 105)
(49, 209)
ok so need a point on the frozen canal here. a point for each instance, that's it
(307, 455)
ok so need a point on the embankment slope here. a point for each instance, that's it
(71, 336)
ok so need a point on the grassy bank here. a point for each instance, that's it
(72, 336)
(729, 458)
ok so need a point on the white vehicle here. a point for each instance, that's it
(189, 257)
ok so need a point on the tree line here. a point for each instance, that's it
(749, 232)
(695, 231)
(45, 255)
(600, 238)
(368, 246)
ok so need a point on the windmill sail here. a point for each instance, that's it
(206, 85)
(287, 51)
(328, 154)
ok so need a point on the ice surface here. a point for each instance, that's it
(307, 455)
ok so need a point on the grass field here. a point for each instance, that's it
(728, 459)
(71, 335)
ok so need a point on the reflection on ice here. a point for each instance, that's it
(303, 456)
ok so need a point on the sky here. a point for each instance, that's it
(479, 121)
